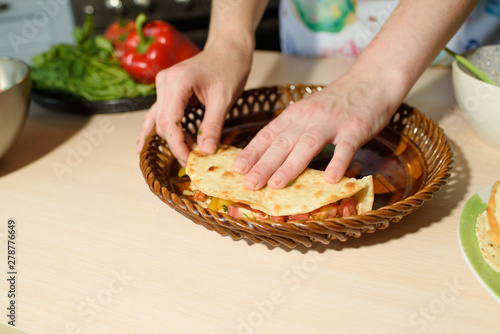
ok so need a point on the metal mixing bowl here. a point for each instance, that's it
(15, 87)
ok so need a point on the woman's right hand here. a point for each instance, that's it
(216, 76)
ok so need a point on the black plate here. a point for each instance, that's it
(82, 106)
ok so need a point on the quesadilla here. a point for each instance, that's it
(216, 186)
(488, 229)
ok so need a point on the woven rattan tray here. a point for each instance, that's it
(410, 160)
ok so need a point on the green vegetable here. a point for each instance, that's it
(88, 69)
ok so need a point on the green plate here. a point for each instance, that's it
(469, 244)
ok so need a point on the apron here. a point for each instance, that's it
(343, 28)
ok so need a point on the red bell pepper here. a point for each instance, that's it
(153, 47)
(117, 33)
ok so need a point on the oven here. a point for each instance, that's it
(189, 16)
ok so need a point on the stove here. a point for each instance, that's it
(189, 16)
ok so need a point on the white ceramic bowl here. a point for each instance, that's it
(478, 100)
(14, 100)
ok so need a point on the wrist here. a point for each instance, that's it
(231, 39)
(392, 82)
(233, 24)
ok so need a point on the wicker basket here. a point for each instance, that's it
(411, 137)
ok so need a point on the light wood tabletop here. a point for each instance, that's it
(97, 252)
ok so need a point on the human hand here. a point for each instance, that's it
(216, 76)
(346, 113)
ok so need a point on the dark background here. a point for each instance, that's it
(189, 16)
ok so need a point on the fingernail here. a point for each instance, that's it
(276, 180)
(209, 145)
(251, 181)
(240, 166)
(330, 178)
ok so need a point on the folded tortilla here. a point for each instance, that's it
(488, 231)
(214, 176)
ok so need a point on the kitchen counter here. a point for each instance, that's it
(98, 252)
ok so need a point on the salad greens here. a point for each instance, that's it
(88, 69)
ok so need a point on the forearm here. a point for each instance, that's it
(410, 40)
(233, 22)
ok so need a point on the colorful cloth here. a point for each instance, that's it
(343, 28)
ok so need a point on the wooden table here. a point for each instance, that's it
(97, 252)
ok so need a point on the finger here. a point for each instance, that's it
(161, 90)
(147, 126)
(176, 137)
(307, 147)
(173, 95)
(209, 133)
(169, 116)
(252, 153)
(188, 139)
(344, 152)
(274, 157)
(184, 154)
(210, 129)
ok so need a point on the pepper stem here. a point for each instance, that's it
(144, 42)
